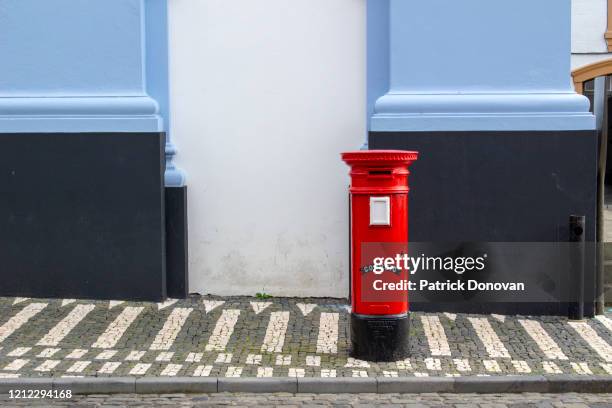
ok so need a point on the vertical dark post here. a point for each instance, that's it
(601, 186)
(576, 239)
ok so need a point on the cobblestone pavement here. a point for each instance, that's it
(328, 400)
(247, 337)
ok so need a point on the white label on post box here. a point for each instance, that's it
(380, 211)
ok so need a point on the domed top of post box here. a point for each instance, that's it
(379, 171)
(384, 158)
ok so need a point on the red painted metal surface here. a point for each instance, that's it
(378, 173)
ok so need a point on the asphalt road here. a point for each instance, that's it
(327, 400)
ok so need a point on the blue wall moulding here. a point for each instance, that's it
(73, 66)
(445, 65)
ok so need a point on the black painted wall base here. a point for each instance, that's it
(176, 242)
(82, 216)
(499, 187)
(384, 338)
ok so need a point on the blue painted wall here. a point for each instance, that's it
(472, 65)
(71, 47)
(378, 43)
(85, 66)
(80, 65)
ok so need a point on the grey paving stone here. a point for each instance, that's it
(168, 385)
(337, 385)
(585, 384)
(96, 385)
(508, 384)
(257, 385)
(415, 385)
(7, 384)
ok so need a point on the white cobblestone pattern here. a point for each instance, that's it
(48, 365)
(551, 368)
(306, 308)
(115, 330)
(233, 371)
(489, 338)
(194, 357)
(438, 343)
(581, 368)
(521, 366)
(259, 307)
(76, 353)
(433, 364)
(19, 351)
(109, 367)
(171, 329)
(297, 372)
(492, 366)
(265, 372)
(327, 341)
(17, 364)
(78, 366)
(462, 364)
(113, 303)
(275, 333)
(21, 318)
(405, 364)
(135, 355)
(548, 346)
(171, 370)
(451, 316)
(607, 367)
(202, 371)
(606, 321)
(223, 330)
(106, 355)
(228, 338)
(165, 304)
(164, 356)
(356, 363)
(210, 305)
(66, 325)
(283, 360)
(593, 340)
(224, 358)
(313, 361)
(140, 369)
(254, 359)
(47, 353)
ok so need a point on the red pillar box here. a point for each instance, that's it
(379, 232)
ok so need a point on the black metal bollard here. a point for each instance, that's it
(576, 239)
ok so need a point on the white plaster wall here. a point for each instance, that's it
(589, 23)
(265, 94)
(580, 60)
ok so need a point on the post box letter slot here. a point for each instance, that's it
(380, 211)
(380, 172)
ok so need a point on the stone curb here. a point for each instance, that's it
(184, 385)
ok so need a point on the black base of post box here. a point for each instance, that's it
(380, 338)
